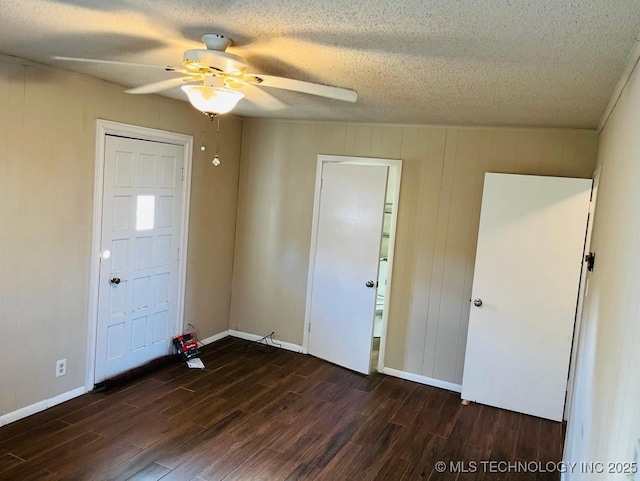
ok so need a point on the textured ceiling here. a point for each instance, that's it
(551, 63)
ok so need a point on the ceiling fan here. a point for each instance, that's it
(216, 80)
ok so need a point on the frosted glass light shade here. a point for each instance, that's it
(212, 100)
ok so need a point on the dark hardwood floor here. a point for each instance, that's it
(275, 416)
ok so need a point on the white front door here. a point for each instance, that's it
(137, 294)
(347, 256)
(528, 260)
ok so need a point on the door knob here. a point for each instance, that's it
(371, 284)
(114, 280)
(477, 302)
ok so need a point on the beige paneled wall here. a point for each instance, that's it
(604, 424)
(439, 210)
(47, 138)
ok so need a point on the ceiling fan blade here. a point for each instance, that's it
(115, 62)
(337, 93)
(163, 85)
(260, 98)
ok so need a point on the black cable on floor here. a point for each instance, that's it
(256, 346)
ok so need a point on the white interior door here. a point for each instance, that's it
(349, 233)
(584, 283)
(137, 293)
(530, 244)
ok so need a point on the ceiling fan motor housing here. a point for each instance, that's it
(197, 59)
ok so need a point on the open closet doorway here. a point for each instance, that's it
(345, 293)
(390, 206)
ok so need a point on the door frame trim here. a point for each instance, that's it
(104, 128)
(340, 159)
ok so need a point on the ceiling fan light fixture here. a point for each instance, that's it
(212, 100)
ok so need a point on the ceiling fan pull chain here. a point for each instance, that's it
(216, 158)
(203, 147)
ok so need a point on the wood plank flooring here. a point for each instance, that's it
(273, 416)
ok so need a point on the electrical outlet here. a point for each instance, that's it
(61, 367)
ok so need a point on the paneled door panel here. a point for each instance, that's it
(137, 299)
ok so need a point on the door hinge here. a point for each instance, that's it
(321, 183)
(590, 259)
(309, 330)
(178, 254)
(183, 173)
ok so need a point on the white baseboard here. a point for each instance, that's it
(214, 338)
(40, 406)
(429, 381)
(253, 337)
